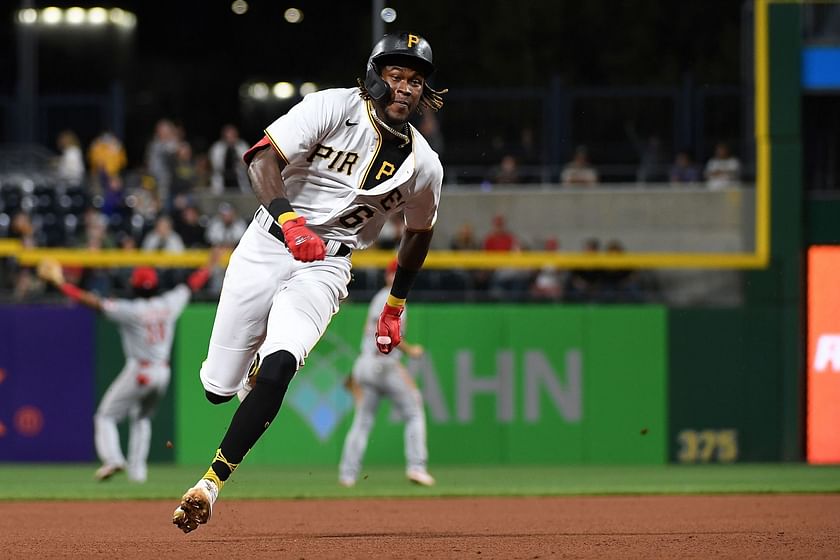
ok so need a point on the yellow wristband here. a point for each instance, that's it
(286, 216)
(395, 302)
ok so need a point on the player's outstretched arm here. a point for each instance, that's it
(410, 258)
(50, 271)
(412, 350)
(199, 277)
(267, 183)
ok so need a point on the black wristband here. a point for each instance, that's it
(279, 206)
(403, 280)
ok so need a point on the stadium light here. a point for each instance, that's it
(77, 17)
(28, 16)
(239, 7)
(307, 87)
(258, 90)
(97, 16)
(52, 15)
(283, 90)
(293, 15)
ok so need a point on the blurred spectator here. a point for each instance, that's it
(107, 159)
(464, 239)
(504, 283)
(619, 284)
(499, 238)
(188, 225)
(203, 172)
(95, 238)
(548, 283)
(683, 171)
(22, 229)
(183, 172)
(391, 234)
(141, 197)
(583, 284)
(163, 237)
(226, 227)
(95, 235)
(652, 165)
(70, 166)
(506, 172)
(579, 172)
(121, 277)
(160, 158)
(229, 171)
(723, 170)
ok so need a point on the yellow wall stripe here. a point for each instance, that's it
(115, 258)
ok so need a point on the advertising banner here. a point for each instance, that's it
(502, 384)
(823, 416)
(46, 384)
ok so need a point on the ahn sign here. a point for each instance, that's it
(823, 354)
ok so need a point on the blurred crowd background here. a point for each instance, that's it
(136, 134)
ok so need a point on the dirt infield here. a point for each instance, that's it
(593, 527)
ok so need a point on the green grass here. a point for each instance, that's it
(75, 482)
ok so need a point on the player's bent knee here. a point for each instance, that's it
(217, 399)
(277, 369)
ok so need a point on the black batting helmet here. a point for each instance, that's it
(401, 44)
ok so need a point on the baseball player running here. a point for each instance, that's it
(376, 375)
(147, 326)
(328, 174)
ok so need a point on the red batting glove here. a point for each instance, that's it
(302, 243)
(388, 334)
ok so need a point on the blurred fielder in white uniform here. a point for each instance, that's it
(146, 325)
(376, 375)
(328, 175)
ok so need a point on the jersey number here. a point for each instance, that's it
(155, 333)
(360, 214)
(356, 217)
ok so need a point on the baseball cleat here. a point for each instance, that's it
(105, 472)
(421, 477)
(196, 506)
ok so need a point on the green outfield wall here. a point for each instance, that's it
(725, 385)
(503, 384)
(514, 384)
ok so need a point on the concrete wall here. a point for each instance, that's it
(651, 218)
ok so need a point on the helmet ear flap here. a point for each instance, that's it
(374, 84)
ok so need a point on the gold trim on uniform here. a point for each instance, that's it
(276, 147)
(368, 107)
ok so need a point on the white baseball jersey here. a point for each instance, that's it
(147, 326)
(336, 178)
(346, 182)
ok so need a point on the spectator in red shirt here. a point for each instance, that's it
(505, 283)
(500, 239)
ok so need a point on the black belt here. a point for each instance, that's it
(274, 229)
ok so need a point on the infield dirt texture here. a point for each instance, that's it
(551, 527)
(739, 512)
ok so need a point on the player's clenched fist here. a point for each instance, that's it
(303, 244)
(388, 328)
